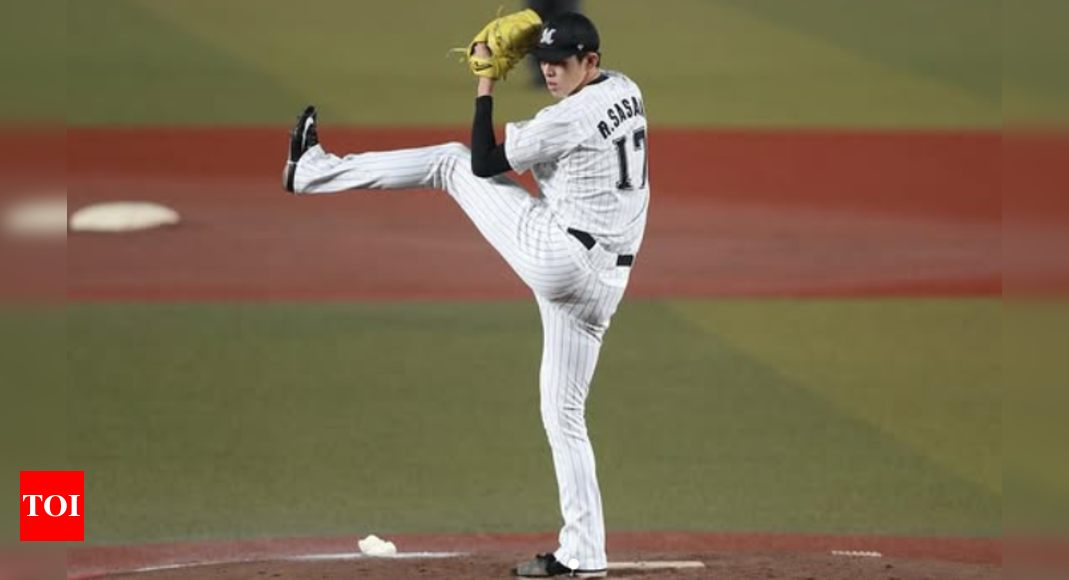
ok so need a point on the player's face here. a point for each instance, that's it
(565, 77)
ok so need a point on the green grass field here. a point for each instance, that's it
(909, 63)
(221, 421)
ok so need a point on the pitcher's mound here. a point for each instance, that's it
(721, 566)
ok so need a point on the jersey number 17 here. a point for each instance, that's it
(638, 137)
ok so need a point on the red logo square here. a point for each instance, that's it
(52, 506)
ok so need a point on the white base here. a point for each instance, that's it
(119, 217)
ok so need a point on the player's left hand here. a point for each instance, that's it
(508, 38)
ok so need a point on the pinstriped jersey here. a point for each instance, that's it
(588, 153)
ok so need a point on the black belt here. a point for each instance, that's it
(589, 242)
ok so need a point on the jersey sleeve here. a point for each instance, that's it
(543, 139)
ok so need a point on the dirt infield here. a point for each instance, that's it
(744, 213)
(725, 556)
(737, 566)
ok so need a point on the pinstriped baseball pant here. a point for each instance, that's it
(577, 291)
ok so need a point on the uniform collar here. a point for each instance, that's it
(602, 77)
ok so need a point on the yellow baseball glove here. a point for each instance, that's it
(509, 38)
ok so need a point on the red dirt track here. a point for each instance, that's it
(734, 213)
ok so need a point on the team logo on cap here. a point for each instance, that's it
(547, 35)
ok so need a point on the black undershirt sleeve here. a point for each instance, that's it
(487, 157)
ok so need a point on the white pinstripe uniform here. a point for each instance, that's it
(588, 154)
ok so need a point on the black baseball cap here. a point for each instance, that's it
(566, 35)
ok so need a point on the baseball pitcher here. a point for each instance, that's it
(574, 245)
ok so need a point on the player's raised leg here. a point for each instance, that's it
(519, 226)
(446, 167)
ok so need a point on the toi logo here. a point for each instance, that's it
(52, 506)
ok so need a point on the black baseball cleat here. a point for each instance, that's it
(547, 566)
(302, 138)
